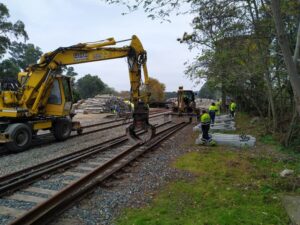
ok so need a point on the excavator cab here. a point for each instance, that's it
(60, 97)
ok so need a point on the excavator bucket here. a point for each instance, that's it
(140, 130)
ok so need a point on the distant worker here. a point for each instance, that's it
(205, 125)
(218, 104)
(212, 112)
(232, 108)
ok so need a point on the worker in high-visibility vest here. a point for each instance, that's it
(212, 112)
(218, 104)
(205, 125)
(232, 108)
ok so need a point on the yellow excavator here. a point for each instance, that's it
(41, 98)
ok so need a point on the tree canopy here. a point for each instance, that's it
(157, 90)
(9, 30)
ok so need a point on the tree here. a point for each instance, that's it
(89, 86)
(70, 71)
(8, 69)
(23, 54)
(156, 89)
(172, 94)
(9, 29)
(290, 61)
(207, 92)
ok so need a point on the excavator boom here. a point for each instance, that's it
(42, 94)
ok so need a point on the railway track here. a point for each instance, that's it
(48, 138)
(82, 171)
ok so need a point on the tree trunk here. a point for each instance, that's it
(287, 55)
(290, 130)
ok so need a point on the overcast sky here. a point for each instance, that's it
(55, 23)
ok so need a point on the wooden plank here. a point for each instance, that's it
(40, 190)
(6, 211)
(26, 198)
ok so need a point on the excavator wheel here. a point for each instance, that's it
(62, 129)
(20, 135)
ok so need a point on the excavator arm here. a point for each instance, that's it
(34, 104)
(41, 75)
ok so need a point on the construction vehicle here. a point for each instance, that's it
(185, 102)
(42, 99)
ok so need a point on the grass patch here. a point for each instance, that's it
(229, 187)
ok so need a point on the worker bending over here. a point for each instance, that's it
(232, 108)
(205, 125)
(212, 112)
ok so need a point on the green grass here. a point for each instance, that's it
(229, 186)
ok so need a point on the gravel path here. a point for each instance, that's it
(133, 188)
(14, 162)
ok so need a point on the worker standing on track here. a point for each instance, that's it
(232, 108)
(205, 125)
(212, 112)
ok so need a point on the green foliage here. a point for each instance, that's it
(156, 89)
(23, 54)
(228, 188)
(89, 86)
(70, 71)
(207, 92)
(9, 30)
(9, 69)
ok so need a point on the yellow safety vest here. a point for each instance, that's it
(232, 106)
(205, 118)
(213, 108)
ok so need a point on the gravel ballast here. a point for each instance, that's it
(14, 162)
(133, 188)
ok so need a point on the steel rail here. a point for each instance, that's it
(14, 181)
(44, 212)
(41, 142)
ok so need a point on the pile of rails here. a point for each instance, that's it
(100, 104)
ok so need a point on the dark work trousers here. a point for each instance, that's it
(232, 113)
(212, 115)
(205, 129)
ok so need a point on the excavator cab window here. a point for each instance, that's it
(55, 95)
(67, 90)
